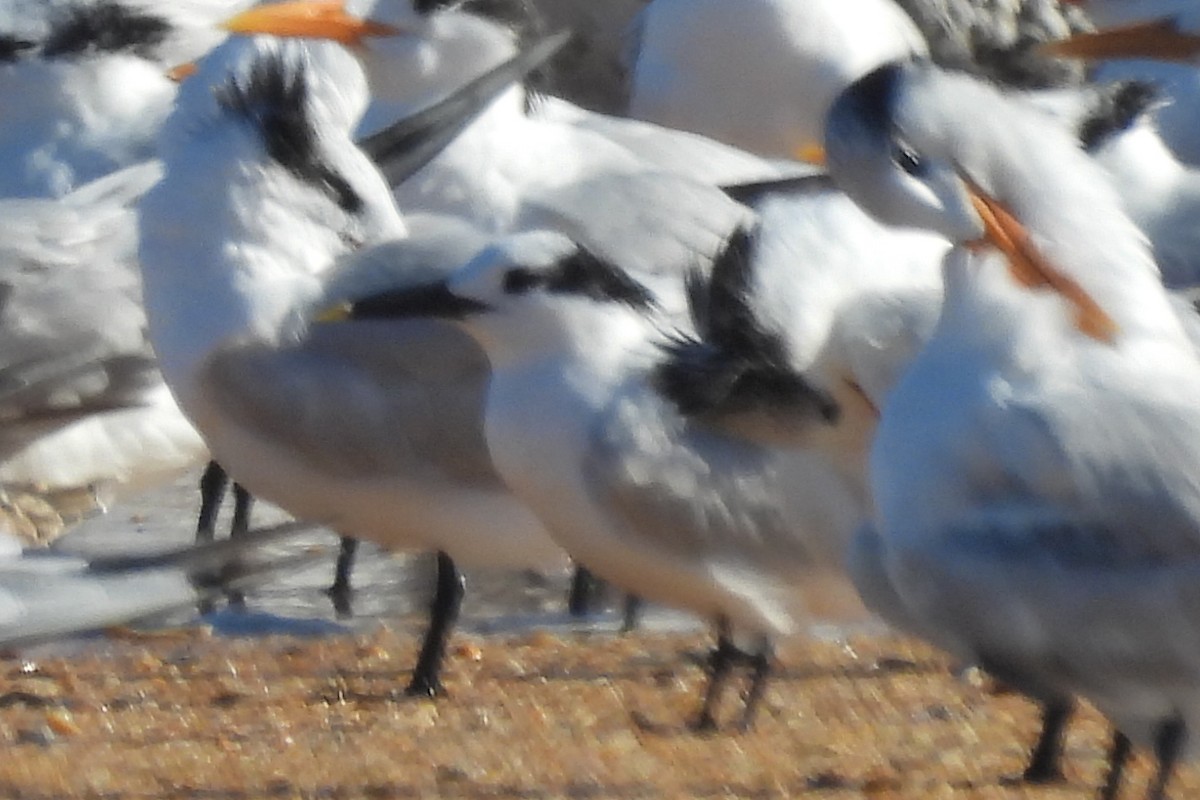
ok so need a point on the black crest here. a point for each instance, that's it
(584, 274)
(872, 97)
(735, 365)
(104, 27)
(430, 6)
(1118, 106)
(273, 98)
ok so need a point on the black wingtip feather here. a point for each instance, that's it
(872, 97)
(749, 194)
(735, 366)
(1119, 106)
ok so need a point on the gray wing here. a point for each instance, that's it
(651, 223)
(691, 491)
(1053, 604)
(766, 527)
(359, 398)
(436, 246)
(72, 330)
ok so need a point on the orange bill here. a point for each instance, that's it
(182, 72)
(314, 19)
(1160, 40)
(810, 153)
(1030, 267)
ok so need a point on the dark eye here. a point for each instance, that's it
(520, 280)
(907, 160)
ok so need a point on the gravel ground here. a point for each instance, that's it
(192, 715)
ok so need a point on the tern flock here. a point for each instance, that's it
(949, 376)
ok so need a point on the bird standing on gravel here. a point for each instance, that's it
(1035, 471)
(372, 429)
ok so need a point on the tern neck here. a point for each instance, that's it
(231, 248)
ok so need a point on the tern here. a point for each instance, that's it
(592, 421)
(1034, 471)
(497, 173)
(374, 429)
(84, 408)
(759, 74)
(85, 84)
(1158, 42)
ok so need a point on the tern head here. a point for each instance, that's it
(411, 49)
(880, 166)
(165, 33)
(105, 27)
(917, 146)
(260, 143)
(526, 294)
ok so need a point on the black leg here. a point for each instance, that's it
(1118, 756)
(212, 489)
(447, 600)
(720, 664)
(243, 504)
(760, 671)
(1045, 761)
(585, 593)
(340, 591)
(1167, 746)
(631, 613)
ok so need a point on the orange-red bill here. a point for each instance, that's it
(182, 72)
(810, 153)
(1030, 268)
(314, 19)
(1160, 40)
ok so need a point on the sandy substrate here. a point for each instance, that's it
(538, 716)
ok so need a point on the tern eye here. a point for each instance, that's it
(907, 160)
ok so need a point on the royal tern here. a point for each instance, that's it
(87, 89)
(497, 172)
(46, 594)
(1160, 193)
(759, 74)
(1034, 472)
(997, 39)
(82, 405)
(1158, 42)
(374, 429)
